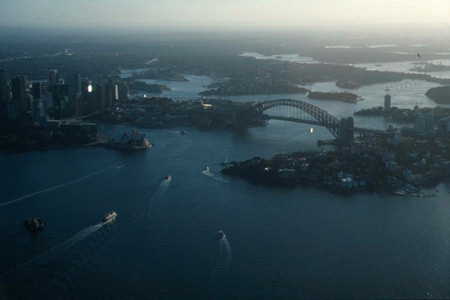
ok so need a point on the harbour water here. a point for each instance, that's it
(286, 244)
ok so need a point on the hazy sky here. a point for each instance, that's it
(226, 13)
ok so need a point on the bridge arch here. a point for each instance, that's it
(319, 116)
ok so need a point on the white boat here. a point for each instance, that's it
(110, 217)
(220, 235)
(168, 178)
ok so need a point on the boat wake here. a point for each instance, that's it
(223, 262)
(59, 186)
(64, 246)
(160, 191)
(225, 255)
(207, 172)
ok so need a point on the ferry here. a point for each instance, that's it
(220, 235)
(111, 216)
(130, 141)
(34, 225)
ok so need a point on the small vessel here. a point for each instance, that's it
(207, 170)
(220, 235)
(168, 178)
(110, 217)
(182, 132)
(34, 225)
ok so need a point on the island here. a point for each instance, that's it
(136, 86)
(246, 86)
(337, 96)
(440, 95)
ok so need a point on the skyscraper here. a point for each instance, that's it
(36, 90)
(387, 102)
(123, 91)
(4, 94)
(61, 103)
(52, 78)
(75, 85)
(75, 92)
(4, 88)
(19, 99)
(112, 93)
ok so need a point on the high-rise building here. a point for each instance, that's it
(61, 103)
(4, 87)
(36, 90)
(112, 93)
(346, 131)
(75, 85)
(52, 78)
(75, 91)
(100, 96)
(19, 99)
(5, 95)
(123, 91)
(387, 102)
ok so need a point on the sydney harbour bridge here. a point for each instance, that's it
(303, 112)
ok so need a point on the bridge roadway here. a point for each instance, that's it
(317, 123)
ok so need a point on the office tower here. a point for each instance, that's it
(123, 91)
(75, 85)
(75, 91)
(4, 87)
(112, 93)
(19, 99)
(346, 131)
(52, 78)
(36, 91)
(100, 96)
(61, 103)
(387, 102)
(5, 95)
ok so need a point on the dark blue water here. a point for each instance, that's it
(284, 244)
